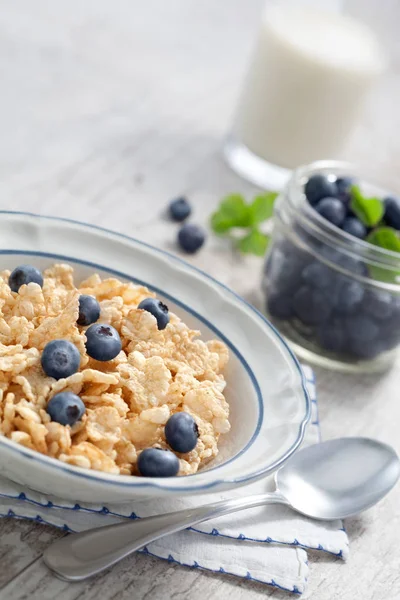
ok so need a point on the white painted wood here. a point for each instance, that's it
(108, 109)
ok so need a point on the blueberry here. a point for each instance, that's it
(181, 432)
(331, 336)
(191, 238)
(332, 210)
(66, 408)
(311, 306)
(361, 328)
(379, 304)
(318, 275)
(102, 342)
(350, 295)
(354, 227)
(318, 187)
(179, 209)
(395, 318)
(157, 309)
(89, 310)
(280, 305)
(60, 359)
(390, 340)
(343, 185)
(24, 274)
(284, 270)
(349, 263)
(392, 212)
(366, 350)
(155, 462)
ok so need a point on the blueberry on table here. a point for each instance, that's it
(60, 359)
(280, 305)
(332, 210)
(354, 227)
(102, 342)
(343, 185)
(66, 408)
(181, 432)
(89, 310)
(331, 336)
(311, 306)
(392, 212)
(318, 187)
(24, 274)
(179, 209)
(156, 462)
(158, 309)
(191, 238)
(349, 297)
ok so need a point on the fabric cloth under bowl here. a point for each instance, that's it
(266, 544)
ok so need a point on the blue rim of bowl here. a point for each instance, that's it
(185, 307)
(138, 482)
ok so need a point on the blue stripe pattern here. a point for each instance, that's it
(105, 510)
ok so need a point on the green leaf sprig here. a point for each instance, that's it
(234, 212)
(370, 211)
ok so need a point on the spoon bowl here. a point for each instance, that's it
(339, 478)
(332, 480)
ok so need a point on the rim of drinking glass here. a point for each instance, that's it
(295, 200)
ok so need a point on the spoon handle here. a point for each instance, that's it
(81, 555)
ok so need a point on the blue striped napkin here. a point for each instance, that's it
(265, 544)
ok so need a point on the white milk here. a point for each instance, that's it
(309, 75)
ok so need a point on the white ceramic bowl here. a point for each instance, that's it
(266, 389)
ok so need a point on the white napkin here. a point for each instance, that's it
(265, 544)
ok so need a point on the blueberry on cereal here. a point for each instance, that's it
(181, 432)
(156, 462)
(24, 274)
(158, 309)
(102, 342)
(60, 359)
(89, 310)
(66, 408)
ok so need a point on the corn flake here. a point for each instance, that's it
(128, 399)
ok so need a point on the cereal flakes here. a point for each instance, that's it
(129, 399)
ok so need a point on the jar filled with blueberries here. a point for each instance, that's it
(331, 276)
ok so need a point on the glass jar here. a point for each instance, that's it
(334, 297)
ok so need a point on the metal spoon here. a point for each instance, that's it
(332, 480)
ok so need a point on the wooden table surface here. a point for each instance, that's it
(109, 109)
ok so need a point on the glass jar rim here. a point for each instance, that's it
(331, 234)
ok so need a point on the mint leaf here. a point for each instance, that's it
(385, 237)
(220, 224)
(369, 210)
(232, 212)
(386, 275)
(262, 207)
(254, 242)
(235, 208)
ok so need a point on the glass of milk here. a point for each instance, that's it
(310, 73)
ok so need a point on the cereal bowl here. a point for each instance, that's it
(266, 393)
